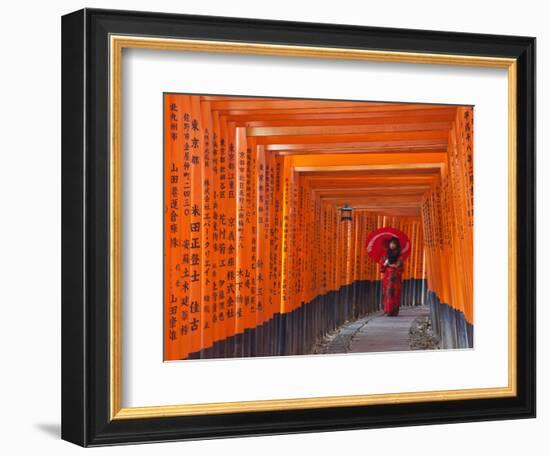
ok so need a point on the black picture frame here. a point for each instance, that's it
(85, 228)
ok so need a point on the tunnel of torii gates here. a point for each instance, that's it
(257, 259)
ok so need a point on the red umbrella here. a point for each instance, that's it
(378, 240)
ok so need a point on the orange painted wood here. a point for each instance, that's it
(256, 186)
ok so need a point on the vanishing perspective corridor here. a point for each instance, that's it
(268, 204)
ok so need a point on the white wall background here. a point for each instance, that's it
(30, 204)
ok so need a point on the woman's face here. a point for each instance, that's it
(393, 245)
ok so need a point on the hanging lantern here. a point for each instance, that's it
(345, 213)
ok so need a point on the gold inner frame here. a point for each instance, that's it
(116, 45)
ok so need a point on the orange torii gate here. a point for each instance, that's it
(257, 260)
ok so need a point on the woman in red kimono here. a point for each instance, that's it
(392, 268)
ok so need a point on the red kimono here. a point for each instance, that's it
(391, 285)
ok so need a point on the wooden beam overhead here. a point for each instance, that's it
(327, 111)
(403, 188)
(325, 105)
(353, 181)
(344, 150)
(369, 159)
(347, 129)
(439, 136)
(255, 119)
(379, 156)
(413, 168)
(341, 193)
(374, 146)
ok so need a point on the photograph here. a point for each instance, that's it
(279, 227)
(274, 228)
(316, 227)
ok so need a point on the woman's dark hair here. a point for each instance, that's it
(394, 254)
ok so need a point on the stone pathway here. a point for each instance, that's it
(340, 341)
(387, 333)
(377, 332)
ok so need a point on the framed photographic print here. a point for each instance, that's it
(280, 227)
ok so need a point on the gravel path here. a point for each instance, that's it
(410, 330)
(385, 333)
